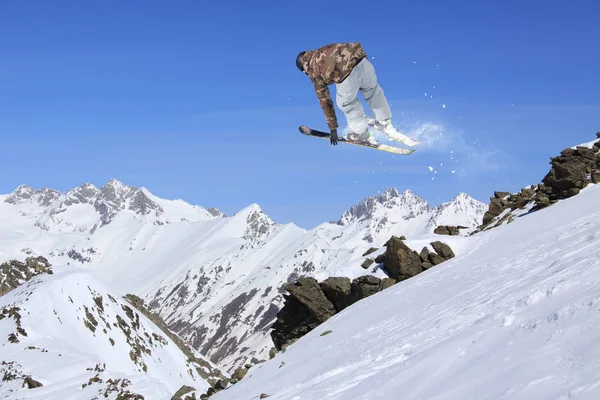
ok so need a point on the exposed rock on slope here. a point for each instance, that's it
(310, 303)
(448, 230)
(571, 171)
(206, 370)
(14, 273)
(68, 336)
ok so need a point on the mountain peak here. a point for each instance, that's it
(389, 199)
(27, 194)
(20, 194)
(258, 224)
(116, 196)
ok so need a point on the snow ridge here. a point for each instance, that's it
(78, 338)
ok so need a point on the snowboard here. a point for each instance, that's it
(393, 133)
(381, 147)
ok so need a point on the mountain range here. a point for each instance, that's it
(124, 295)
(215, 279)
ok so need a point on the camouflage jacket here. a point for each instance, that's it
(331, 64)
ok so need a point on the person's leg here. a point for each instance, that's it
(373, 93)
(347, 100)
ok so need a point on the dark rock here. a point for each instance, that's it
(367, 263)
(32, 383)
(443, 250)
(386, 283)
(338, 292)
(239, 373)
(221, 384)
(305, 308)
(435, 259)
(574, 191)
(394, 238)
(501, 195)
(426, 265)
(400, 261)
(598, 135)
(424, 254)
(365, 286)
(570, 172)
(309, 293)
(272, 353)
(448, 230)
(371, 250)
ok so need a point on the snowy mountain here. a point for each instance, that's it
(87, 208)
(514, 316)
(68, 337)
(373, 219)
(215, 279)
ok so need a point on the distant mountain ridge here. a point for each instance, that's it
(214, 279)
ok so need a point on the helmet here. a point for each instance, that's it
(299, 61)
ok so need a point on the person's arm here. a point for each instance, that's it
(322, 91)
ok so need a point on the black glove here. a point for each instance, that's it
(334, 137)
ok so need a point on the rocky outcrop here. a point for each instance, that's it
(14, 273)
(310, 303)
(571, 171)
(448, 230)
(208, 372)
(401, 262)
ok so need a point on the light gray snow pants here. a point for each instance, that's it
(361, 78)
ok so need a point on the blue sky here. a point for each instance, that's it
(201, 101)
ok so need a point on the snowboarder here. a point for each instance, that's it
(346, 65)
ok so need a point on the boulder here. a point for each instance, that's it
(338, 291)
(401, 261)
(309, 293)
(371, 250)
(367, 263)
(365, 286)
(443, 250)
(448, 230)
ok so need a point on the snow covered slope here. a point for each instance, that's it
(514, 316)
(214, 279)
(67, 334)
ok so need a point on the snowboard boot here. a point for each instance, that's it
(384, 126)
(388, 128)
(366, 136)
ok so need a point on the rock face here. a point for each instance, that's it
(207, 371)
(14, 273)
(448, 230)
(401, 262)
(571, 171)
(310, 303)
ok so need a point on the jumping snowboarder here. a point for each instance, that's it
(347, 65)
